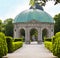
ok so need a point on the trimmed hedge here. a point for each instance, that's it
(18, 39)
(9, 44)
(47, 39)
(48, 45)
(3, 45)
(56, 44)
(17, 45)
(12, 46)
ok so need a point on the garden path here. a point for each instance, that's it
(32, 50)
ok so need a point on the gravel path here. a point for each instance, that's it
(32, 51)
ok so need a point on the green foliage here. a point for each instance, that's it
(42, 2)
(9, 44)
(12, 46)
(44, 34)
(32, 2)
(2, 26)
(9, 27)
(47, 39)
(57, 23)
(56, 45)
(57, 35)
(34, 32)
(18, 39)
(3, 45)
(17, 45)
(48, 45)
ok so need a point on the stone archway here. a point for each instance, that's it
(28, 26)
(34, 34)
(22, 34)
(44, 33)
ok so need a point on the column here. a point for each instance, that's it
(16, 33)
(39, 36)
(27, 36)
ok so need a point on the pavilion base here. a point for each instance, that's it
(27, 42)
(39, 42)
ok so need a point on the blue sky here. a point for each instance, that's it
(11, 8)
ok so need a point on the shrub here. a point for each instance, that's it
(48, 45)
(56, 47)
(53, 39)
(57, 35)
(56, 44)
(12, 46)
(9, 44)
(3, 45)
(17, 45)
(18, 39)
(47, 39)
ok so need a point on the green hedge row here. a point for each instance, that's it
(12, 46)
(18, 39)
(17, 45)
(54, 46)
(3, 45)
(9, 44)
(47, 39)
(48, 45)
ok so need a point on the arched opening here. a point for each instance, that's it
(44, 34)
(22, 34)
(33, 35)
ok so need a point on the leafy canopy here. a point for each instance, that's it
(42, 2)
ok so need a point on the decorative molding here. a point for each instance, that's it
(34, 21)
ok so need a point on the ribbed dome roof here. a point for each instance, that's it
(33, 14)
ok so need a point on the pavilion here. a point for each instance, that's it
(33, 18)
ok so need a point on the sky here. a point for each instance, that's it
(11, 8)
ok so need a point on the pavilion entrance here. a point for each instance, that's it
(33, 35)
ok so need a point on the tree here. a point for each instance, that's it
(0, 25)
(42, 2)
(9, 27)
(57, 23)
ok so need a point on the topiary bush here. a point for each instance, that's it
(17, 45)
(3, 45)
(56, 45)
(48, 45)
(12, 46)
(9, 44)
(18, 39)
(47, 39)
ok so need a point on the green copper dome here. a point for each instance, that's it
(33, 14)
